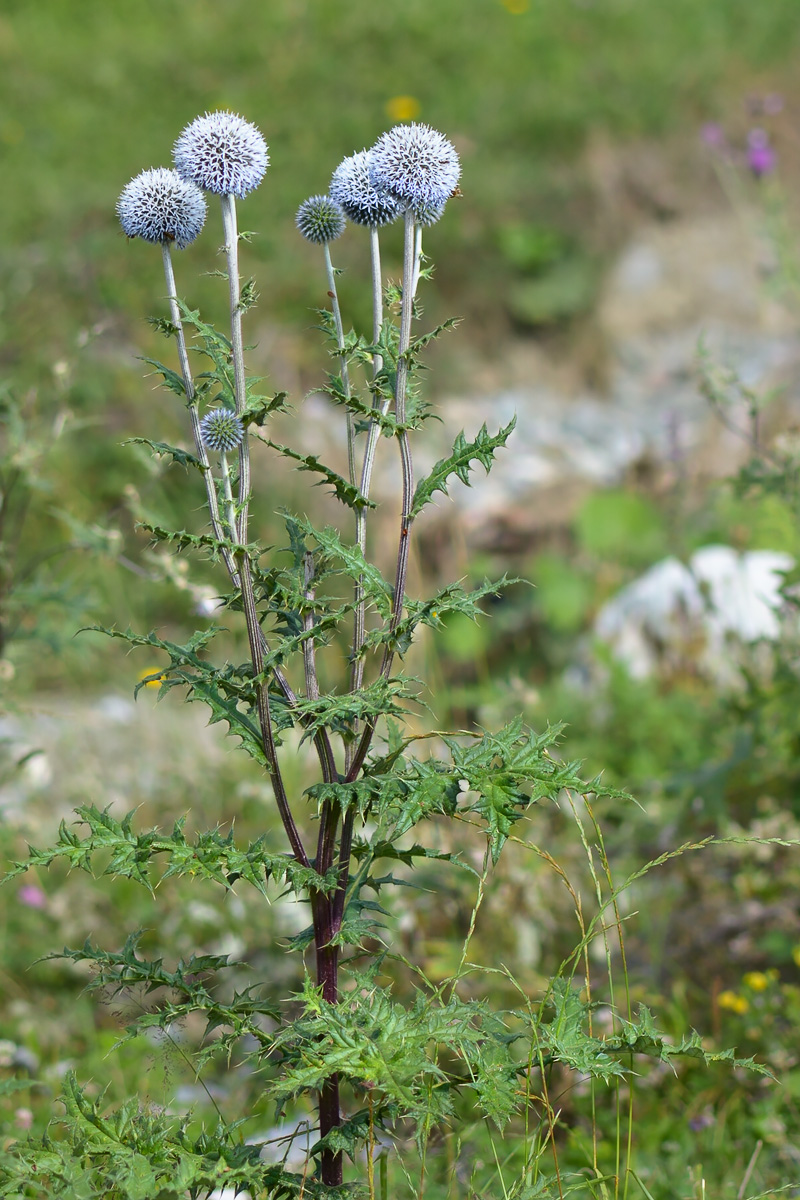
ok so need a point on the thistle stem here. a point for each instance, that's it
(322, 739)
(255, 634)
(377, 295)
(194, 418)
(417, 258)
(239, 379)
(359, 623)
(226, 483)
(407, 465)
(337, 321)
(309, 650)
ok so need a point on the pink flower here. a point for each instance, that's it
(761, 157)
(32, 896)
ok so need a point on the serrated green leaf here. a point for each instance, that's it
(172, 379)
(182, 457)
(459, 463)
(344, 491)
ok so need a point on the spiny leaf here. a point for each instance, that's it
(344, 491)
(426, 338)
(258, 408)
(451, 599)
(459, 463)
(196, 541)
(172, 379)
(182, 457)
(332, 551)
(387, 422)
(339, 713)
(210, 855)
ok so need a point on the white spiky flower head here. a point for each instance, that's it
(159, 206)
(221, 430)
(416, 164)
(222, 153)
(320, 219)
(428, 214)
(353, 187)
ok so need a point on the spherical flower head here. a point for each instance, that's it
(320, 219)
(222, 153)
(161, 207)
(427, 214)
(352, 186)
(416, 164)
(221, 430)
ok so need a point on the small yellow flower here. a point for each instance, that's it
(154, 671)
(796, 955)
(403, 108)
(756, 980)
(516, 6)
(733, 1001)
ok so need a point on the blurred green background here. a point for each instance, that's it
(537, 95)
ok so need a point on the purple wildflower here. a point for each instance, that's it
(32, 896)
(761, 157)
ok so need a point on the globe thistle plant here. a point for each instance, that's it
(222, 153)
(416, 164)
(160, 206)
(352, 187)
(320, 219)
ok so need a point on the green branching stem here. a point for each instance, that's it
(226, 484)
(327, 956)
(337, 321)
(321, 739)
(373, 433)
(377, 294)
(407, 467)
(239, 378)
(194, 417)
(255, 634)
(417, 258)
(406, 313)
(255, 638)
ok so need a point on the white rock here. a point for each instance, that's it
(677, 616)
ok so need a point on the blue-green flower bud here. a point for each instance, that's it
(320, 219)
(221, 430)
